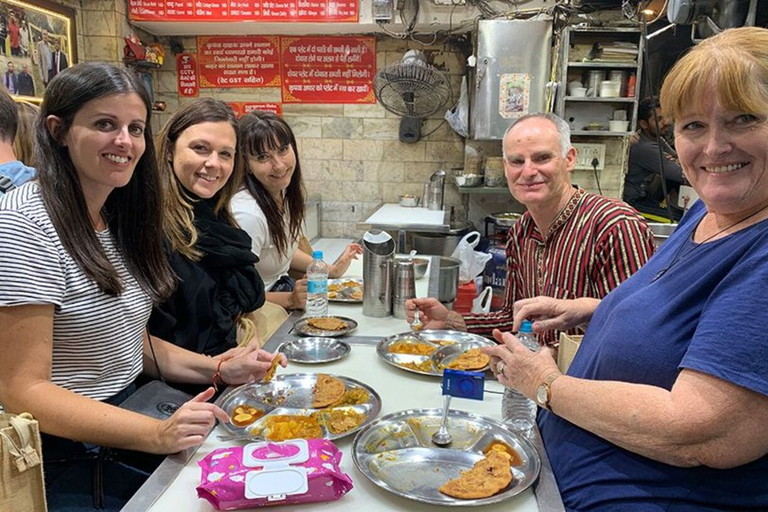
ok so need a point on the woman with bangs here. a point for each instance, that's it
(271, 208)
(664, 406)
(218, 283)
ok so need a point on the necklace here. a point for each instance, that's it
(680, 254)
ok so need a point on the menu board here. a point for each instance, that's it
(312, 11)
(328, 69)
(239, 61)
(241, 108)
(186, 77)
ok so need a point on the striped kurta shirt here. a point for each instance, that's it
(593, 245)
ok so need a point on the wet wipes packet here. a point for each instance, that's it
(270, 473)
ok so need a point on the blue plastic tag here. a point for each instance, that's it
(461, 384)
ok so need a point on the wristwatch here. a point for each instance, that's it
(544, 391)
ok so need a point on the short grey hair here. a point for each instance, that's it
(563, 129)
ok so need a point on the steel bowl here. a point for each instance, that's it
(409, 201)
(469, 180)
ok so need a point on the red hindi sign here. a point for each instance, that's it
(328, 69)
(317, 11)
(186, 67)
(241, 108)
(251, 61)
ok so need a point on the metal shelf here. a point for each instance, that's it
(600, 133)
(604, 64)
(589, 99)
(483, 190)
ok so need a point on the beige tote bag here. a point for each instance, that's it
(22, 488)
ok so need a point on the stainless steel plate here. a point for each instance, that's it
(314, 350)
(303, 328)
(348, 289)
(291, 394)
(449, 345)
(396, 453)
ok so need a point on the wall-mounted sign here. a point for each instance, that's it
(186, 74)
(328, 69)
(250, 61)
(312, 11)
(241, 108)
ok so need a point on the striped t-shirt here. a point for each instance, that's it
(97, 338)
(592, 246)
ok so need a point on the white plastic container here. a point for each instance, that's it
(618, 126)
(609, 89)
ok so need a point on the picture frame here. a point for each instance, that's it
(34, 35)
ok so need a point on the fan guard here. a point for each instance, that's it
(411, 89)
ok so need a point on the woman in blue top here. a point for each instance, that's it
(665, 405)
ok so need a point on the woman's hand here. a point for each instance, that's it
(298, 298)
(190, 425)
(248, 366)
(342, 263)
(522, 369)
(433, 313)
(548, 313)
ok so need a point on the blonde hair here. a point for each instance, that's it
(24, 142)
(180, 229)
(733, 63)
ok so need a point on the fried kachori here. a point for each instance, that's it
(473, 359)
(272, 370)
(487, 477)
(327, 323)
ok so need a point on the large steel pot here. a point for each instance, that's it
(440, 244)
(448, 279)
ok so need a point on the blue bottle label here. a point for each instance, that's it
(317, 287)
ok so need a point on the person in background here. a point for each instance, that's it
(58, 61)
(43, 57)
(24, 143)
(643, 189)
(73, 317)
(13, 172)
(25, 83)
(664, 406)
(24, 37)
(3, 30)
(270, 207)
(14, 35)
(570, 243)
(218, 283)
(11, 79)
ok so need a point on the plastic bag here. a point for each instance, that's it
(458, 116)
(482, 303)
(472, 262)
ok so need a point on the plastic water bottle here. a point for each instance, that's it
(517, 411)
(317, 286)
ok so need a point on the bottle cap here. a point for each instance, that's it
(318, 255)
(526, 326)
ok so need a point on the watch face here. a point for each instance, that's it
(541, 395)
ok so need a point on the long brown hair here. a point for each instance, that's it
(133, 212)
(260, 132)
(179, 226)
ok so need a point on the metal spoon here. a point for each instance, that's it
(442, 437)
(417, 324)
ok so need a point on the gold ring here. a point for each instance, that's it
(500, 367)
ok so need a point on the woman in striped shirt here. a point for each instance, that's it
(81, 262)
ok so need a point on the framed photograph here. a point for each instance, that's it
(37, 41)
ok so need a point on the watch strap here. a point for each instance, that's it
(547, 384)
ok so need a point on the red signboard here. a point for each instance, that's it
(328, 69)
(251, 61)
(241, 108)
(313, 11)
(186, 68)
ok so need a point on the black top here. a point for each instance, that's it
(212, 293)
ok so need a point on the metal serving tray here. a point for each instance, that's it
(291, 394)
(303, 328)
(349, 285)
(314, 350)
(449, 344)
(397, 454)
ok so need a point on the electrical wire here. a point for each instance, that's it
(424, 136)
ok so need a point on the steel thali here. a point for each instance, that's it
(303, 327)
(346, 289)
(293, 394)
(447, 345)
(314, 350)
(396, 453)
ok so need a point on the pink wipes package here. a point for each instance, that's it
(267, 473)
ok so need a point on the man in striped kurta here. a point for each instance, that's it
(569, 244)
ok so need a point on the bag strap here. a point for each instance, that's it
(25, 456)
(154, 358)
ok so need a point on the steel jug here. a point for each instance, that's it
(378, 274)
(435, 190)
(405, 287)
